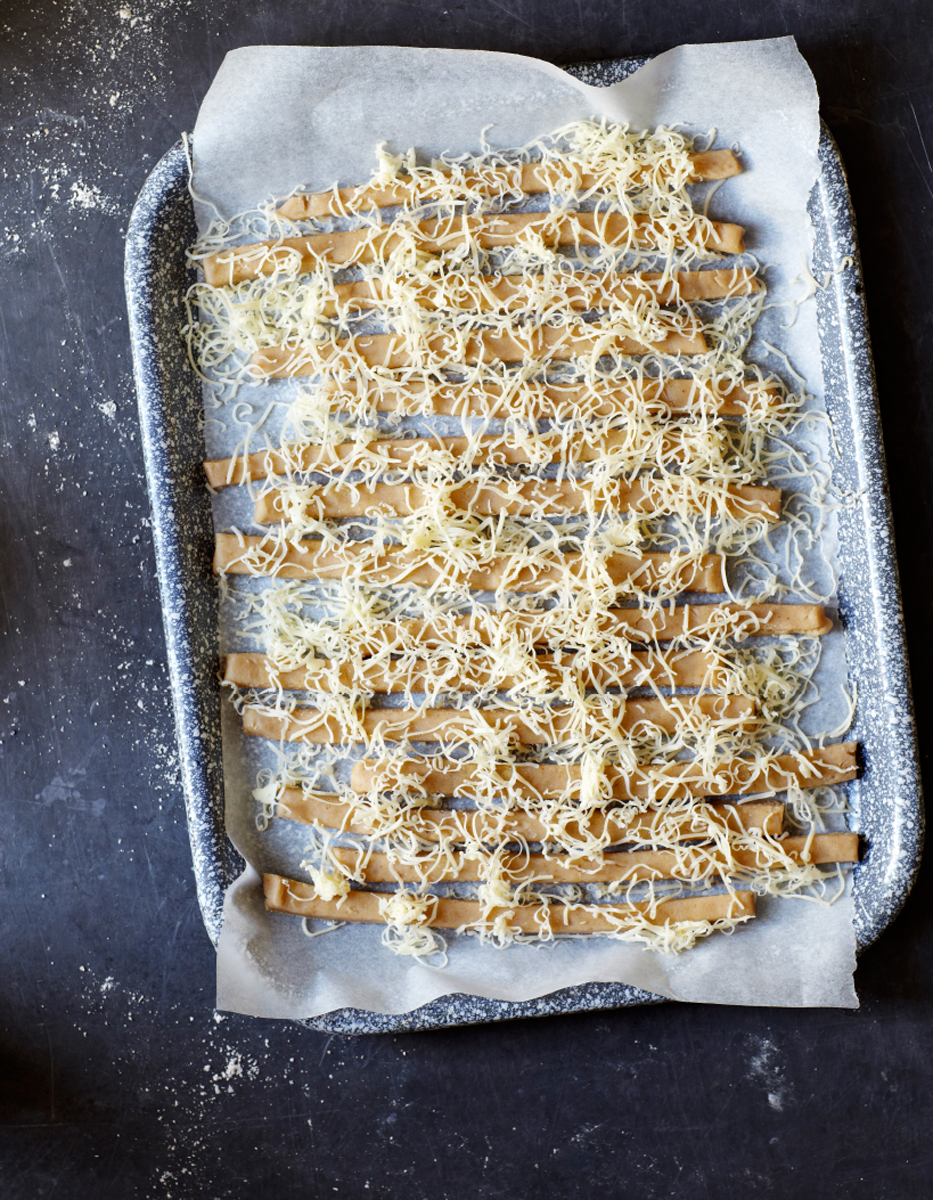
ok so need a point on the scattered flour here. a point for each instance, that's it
(765, 1070)
(89, 196)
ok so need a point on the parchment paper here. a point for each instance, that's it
(280, 117)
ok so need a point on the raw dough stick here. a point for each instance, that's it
(612, 230)
(390, 454)
(532, 178)
(518, 498)
(510, 825)
(557, 401)
(615, 866)
(528, 729)
(657, 781)
(299, 899)
(663, 624)
(389, 351)
(691, 669)
(582, 290)
(242, 555)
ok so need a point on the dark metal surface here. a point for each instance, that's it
(116, 1079)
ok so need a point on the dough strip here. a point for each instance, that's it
(691, 863)
(460, 825)
(531, 178)
(469, 724)
(300, 899)
(249, 555)
(613, 230)
(679, 670)
(656, 781)
(518, 498)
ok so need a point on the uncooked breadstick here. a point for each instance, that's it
(658, 781)
(395, 453)
(391, 454)
(532, 178)
(519, 498)
(389, 351)
(241, 555)
(616, 866)
(635, 624)
(515, 824)
(581, 291)
(615, 230)
(558, 401)
(548, 727)
(683, 670)
(301, 900)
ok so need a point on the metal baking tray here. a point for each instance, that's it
(886, 799)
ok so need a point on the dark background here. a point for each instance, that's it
(117, 1079)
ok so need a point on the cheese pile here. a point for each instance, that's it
(552, 744)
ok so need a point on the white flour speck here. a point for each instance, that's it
(234, 1067)
(89, 196)
(764, 1067)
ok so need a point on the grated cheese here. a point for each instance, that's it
(597, 376)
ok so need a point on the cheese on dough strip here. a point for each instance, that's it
(547, 727)
(658, 625)
(390, 454)
(613, 230)
(582, 290)
(242, 555)
(604, 398)
(691, 669)
(300, 899)
(518, 498)
(656, 781)
(515, 824)
(693, 863)
(532, 178)
(558, 343)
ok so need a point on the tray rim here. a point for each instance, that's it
(215, 861)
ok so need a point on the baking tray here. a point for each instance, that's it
(886, 800)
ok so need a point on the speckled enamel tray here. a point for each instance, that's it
(886, 798)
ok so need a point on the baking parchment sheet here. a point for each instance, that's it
(277, 118)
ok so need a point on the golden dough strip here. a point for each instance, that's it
(564, 401)
(390, 351)
(392, 454)
(615, 866)
(583, 290)
(662, 624)
(616, 230)
(531, 178)
(519, 498)
(654, 781)
(547, 727)
(515, 824)
(300, 900)
(237, 554)
(691, 669)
